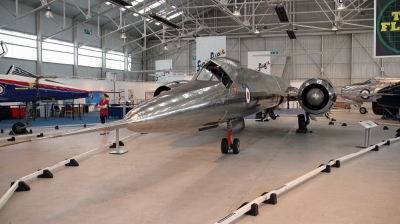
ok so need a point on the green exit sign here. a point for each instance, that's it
(194, 58)
(274, 52)
(88, 32)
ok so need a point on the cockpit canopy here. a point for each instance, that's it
(213, 72)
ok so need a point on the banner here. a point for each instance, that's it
(261, 63)
(209, 47)
(166, 65)
(387, 28)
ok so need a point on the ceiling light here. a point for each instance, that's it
(48, 14)
(341, 5)
(236, 12)
(256, 31)
(165, 47)
(334, 26)
(123, 34)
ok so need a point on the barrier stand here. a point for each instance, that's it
(117, 144)
(251, 208)
(367, 125)
(20, 184)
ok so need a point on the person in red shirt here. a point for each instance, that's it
(103, 105)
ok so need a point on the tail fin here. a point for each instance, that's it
(287, 70)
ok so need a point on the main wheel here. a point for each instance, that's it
(224, 146)
(19, 128)
(363, 110)
(236, 146)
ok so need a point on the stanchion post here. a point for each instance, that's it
(117, 151)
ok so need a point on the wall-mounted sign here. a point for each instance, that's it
(88, 32)
(386, 28)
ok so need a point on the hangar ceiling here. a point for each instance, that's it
(140, 19)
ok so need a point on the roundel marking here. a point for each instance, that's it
(248, 96)
(364, 91)
(2, 89)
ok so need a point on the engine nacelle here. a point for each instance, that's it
(317, 96)
(169, 86)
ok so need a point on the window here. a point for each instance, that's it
(20, 45)
(90, 56)
(56, 51)
(115, 60)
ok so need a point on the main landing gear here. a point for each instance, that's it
(227, 143)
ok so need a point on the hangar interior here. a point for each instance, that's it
(181, 177)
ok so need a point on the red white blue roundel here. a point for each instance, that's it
(248, 96)
(364, 91)
(2, 89)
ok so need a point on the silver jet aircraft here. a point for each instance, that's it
(359, 93)
(222, 92)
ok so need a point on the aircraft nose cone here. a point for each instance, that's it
(315, 96)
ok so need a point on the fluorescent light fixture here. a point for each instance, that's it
(281, 12)
(108, 3)
(48, 14)
(291, 34)
(164, 21)
(165, 47)
(256, 31)
(236, 12)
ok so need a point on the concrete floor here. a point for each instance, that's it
(182, 177)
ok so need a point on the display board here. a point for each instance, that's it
(166, 66)
(387, 28)
(209, 47)
(259, 61)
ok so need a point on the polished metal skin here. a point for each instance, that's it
(358, 93)
(221, 92)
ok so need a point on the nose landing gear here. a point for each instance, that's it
(227, 143)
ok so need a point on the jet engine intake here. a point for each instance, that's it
(317, 96)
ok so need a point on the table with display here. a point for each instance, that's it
(117, 111)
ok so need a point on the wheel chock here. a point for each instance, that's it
(56, 127)
(22, 186)
(344, 124)
(387, 142)
(327, 168)
(376, 148)
(72, 162)
(40, 135)
(385, 128)
(46, 174)
(273, 200)
(331, 123)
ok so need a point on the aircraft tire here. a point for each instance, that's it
(363, 110)
(19, 128)
(224, 146)
(236, 146)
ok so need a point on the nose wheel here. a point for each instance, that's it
(227, 144)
